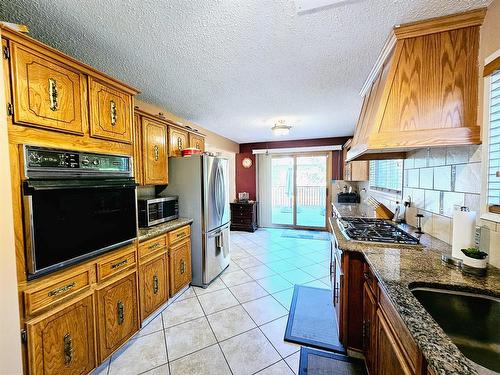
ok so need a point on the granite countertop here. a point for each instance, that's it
(399, 268)
(154, 231)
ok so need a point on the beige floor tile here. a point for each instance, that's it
(299, 261)
(293, 361)
(249, 352)
(316, 284)
(209, 361)
(297, 276)
(216, 301)
(232, 267)
(182, 311)
(189, 293)
(264, 309)
(217, 284)
(275, 332)
(280, 368)
(162, 370)
(153, 326)
(230, 322)
(139, 355)
(235, 278)
(317, 270)
(188, 337)
(247, 292)
(259, 272)
(247, 262)
(281, 266)
(273, 284)
(284, 297)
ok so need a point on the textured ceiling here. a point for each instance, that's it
(233, 66)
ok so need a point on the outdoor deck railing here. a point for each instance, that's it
(308, 196)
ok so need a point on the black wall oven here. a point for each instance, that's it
(77, 205)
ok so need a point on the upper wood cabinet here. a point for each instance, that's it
(117, 314)
(355, 170)
(153, 284)
(180, 266)
(63, 342)
(178, 141)
(197, 141)
(110, 112)
(154, 152)
(423, 89)
(137, 134)
(46, 92)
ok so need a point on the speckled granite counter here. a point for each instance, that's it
(399, 268)
(147, 233)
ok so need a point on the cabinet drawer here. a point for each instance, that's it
(62, 342)
(110, 113)
(115, 263)
(152, 246)
(47, 93)
(53, 291)
(179, 234)
(237, 220)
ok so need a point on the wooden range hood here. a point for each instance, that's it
(423, 90)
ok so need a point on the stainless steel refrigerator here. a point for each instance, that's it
(201, 183)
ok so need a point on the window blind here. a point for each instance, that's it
(386, 175)
(494, 142)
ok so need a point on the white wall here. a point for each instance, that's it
(10, 339)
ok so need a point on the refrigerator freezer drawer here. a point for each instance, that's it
(217, 253)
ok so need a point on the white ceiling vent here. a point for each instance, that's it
(311, 5)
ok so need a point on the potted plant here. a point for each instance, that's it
(474, 257)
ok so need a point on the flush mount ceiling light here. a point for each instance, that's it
(280, 128)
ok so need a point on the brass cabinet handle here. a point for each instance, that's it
(68, 349)
(113, 112)
(119, 264)
(197, 145)
(155, 284)
(62, 289)
(181, 234)
(154, 246)
(53, 94)
(179, 143)
(183, 266)
(367, 276)
(120, 313)
(156, 152)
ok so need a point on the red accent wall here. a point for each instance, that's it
(245, 177)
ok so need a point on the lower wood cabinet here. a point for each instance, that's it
(153, 284)
(117, 314)
(369, 328)
(180, 266)
(63, 342)
(390, 358)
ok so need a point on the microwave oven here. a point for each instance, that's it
(157, 210)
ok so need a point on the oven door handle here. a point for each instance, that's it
(31, 186)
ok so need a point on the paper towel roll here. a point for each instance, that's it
(464, 228)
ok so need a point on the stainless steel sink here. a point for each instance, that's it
(472, 321)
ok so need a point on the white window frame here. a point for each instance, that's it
(485, 213)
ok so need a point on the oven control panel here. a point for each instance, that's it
(59, 162)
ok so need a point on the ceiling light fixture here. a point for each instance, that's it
(280, 128)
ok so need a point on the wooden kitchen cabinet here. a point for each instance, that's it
(390, 358)
(62, 342)
(355, 170)
(369, 328)
(137, 136)
(154, 152)
(117, 314)
(178, 141)
(180, 266)
(46, 92)
(153, 284)
(197, 141)
(110, 112)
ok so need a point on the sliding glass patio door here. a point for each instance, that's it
(299, 190)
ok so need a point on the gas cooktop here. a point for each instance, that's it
(375, 230)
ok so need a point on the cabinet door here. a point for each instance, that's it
(180, 266)
(197, 142)
(369, 331)
(154, 152)
(47, 93)
(360, 171)
(117, 315)
(178, 141)
(137, 128)
(390, 359)
(153, 285)
(63, 343)
(110, 113)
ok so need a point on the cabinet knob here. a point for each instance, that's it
(68, 349)
(179, 143)
(182, 266)
(113, 112)
(155, 284)
(54, 105)
(156, 152)
(120, 313)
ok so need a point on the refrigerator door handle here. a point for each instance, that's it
(223, 191)
(216, 192)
